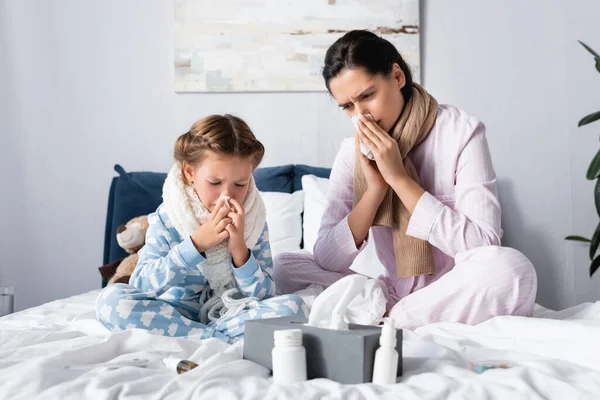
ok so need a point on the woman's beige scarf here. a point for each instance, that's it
(413, 256)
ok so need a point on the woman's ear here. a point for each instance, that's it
(398, 76)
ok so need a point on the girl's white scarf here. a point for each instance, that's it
(186, 212)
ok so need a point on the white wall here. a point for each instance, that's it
(518, 67)
(11, 183)
(504, 62)
(88, 84)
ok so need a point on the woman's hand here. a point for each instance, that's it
(213, 231)
(384, 148)
(236, 244)
(376, 186)
(362, 215)
(390, 163)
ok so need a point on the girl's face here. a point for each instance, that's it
(219, 175)
(358, 92)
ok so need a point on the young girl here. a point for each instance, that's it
(196, 276)
(429, 191)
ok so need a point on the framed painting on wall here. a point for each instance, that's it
(278, 45)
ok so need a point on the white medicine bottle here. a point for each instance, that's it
(385, 368)
(289, 357)
(179, 365)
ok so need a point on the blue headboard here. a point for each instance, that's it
(140, 193)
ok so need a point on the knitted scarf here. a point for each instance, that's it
(186, 212)
(413, 256)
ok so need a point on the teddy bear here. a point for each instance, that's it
(131, 237)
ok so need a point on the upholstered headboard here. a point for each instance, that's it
(139, 193)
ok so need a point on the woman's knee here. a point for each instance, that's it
(284, 266)
(507, 273)
(505, 260)
(515, 265)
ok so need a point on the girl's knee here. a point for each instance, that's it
(293, 306)
(111, 292)
(108, 300)
(287, 305)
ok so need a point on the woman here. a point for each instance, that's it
(429, 195)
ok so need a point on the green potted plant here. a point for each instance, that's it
(593, 173)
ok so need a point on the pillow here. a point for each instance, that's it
(315, 200)
(284, 217)
(300, 170)
(274, 179)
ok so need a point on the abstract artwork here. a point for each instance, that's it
(278, 45)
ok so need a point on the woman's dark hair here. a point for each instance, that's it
(364, 49)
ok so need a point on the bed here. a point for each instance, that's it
(60, 351)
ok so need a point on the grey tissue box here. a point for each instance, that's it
(345, 356)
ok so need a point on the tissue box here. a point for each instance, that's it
(345, 356)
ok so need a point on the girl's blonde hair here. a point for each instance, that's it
(222, 134)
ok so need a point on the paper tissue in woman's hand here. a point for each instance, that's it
(353, 299)
(363, 147)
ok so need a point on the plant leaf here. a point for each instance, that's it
(594, 266)
(588, 48)
(595, 242)
(598, 64)
(594, 168)
(597, 197)
(576, 238)
(588, 119)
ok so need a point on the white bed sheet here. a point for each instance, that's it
(59, 350)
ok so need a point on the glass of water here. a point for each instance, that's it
(7, 300)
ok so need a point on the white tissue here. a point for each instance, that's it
(353, 299)
(363, 147)
(227, 204)
(309, 294)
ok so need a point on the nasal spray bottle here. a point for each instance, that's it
(385, 368)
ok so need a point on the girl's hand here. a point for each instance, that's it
(236, 244)
(213, 231)
(384, 148)
(376, 184)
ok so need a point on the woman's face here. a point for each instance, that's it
(358, 92)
